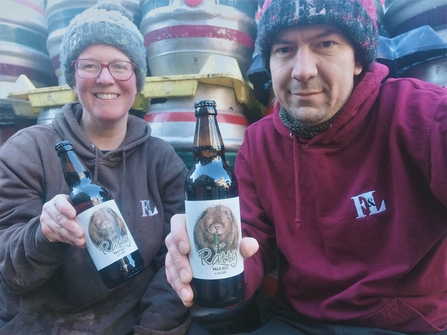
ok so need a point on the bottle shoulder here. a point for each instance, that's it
(212, 169)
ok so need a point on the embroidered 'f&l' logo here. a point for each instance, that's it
(365, 204)
(146, 208)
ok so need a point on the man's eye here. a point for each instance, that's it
(327, 44)
(283, 50)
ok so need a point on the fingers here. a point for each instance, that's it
(179, 233)
(183, 289)
(178, 268)
(249, 246)
(58, 224)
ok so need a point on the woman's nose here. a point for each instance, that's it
(105, 76)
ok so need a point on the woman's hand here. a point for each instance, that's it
(58, 224)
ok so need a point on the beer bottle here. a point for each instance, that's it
(213, 216)
(108, 238)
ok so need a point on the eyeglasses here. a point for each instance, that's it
(91, 69)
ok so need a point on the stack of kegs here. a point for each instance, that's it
(417, 32)
(24, 31)
(185, 39)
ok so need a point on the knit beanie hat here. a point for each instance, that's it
(356, 19)
(104, 23)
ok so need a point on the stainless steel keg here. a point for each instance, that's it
(180, 37)
(24, 30)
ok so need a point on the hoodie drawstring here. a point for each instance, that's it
(297, 192)
(123, 177)
(95, 172)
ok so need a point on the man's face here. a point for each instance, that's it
(313, 71)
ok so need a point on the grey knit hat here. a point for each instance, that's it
(356, 18)
(104, 23)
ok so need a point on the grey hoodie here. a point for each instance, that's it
(54, 288)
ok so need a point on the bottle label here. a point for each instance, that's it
(214, 230)
(107, 237)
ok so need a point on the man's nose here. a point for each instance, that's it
(304, 65)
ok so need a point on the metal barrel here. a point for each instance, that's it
(47, 114)
(434, 71)
(59, 13)
(404, 15)
(180, 37)
(148, 5)
(248, 7)
(23, 32)
(424, 49)
(173, 120)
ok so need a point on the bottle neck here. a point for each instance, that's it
(208, 142)
(75, 171)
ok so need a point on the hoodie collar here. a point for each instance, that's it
(67, 124)
(344, 126)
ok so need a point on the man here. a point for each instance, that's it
(347, 179)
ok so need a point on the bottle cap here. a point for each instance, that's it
(205, 107)
(65, 145)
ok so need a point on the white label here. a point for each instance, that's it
(107, 236)
(214, 230)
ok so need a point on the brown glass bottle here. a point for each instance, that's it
(109, 241)
(213, 216)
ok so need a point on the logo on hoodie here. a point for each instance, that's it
(146, 208)
(366, 204)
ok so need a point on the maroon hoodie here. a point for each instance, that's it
(359, 212)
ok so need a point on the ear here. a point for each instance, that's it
(358, 67)
(75, 89)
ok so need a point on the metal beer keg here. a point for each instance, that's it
(47, 114)
(24, 31)
(180, 37)
(173, 120)
(405, 15)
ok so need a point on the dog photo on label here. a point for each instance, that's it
(106, 226)
(217, 230)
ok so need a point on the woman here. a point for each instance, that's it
(48, 282)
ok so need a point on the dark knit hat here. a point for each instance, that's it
(355, 18)
(104, 23)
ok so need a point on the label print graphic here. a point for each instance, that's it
(107, 237)
(214, 231)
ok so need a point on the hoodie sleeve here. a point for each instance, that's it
(162, 310)
(27, 258)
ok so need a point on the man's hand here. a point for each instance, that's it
(178, 268)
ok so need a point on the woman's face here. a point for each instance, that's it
(106, 100)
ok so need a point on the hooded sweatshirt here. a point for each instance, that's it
(355, 217)
(54, 288)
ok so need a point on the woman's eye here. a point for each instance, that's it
(89, 66)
